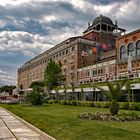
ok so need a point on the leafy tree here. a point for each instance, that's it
(34, 98)
(53, 75)
(114, 94)
(7, 88)
(37, 86)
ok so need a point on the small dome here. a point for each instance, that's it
(102, 19)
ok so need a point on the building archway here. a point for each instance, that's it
(138, 47)
(131, 49)
(123, 53)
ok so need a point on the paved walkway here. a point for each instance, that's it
(14, 128)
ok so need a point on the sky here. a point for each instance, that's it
(30, 27)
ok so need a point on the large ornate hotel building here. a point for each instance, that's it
(102, 52)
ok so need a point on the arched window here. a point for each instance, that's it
(123, 53)
(138, 48)
(73, 48)
(131, 51)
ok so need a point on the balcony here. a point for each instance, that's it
(122, 61)
(108, 55)
(136, 57)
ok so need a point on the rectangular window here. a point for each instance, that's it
(72, 67)
(101, 71)
(73, 57)
(65, 61)
(98, 71)
(93, 72)
(64, 70)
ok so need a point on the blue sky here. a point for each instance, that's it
(30, 27)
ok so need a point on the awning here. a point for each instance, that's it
(61, 90)
(77, 90)
(135, 86)
(69, 90)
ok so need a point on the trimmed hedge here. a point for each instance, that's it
(122, 105)
(51, 101)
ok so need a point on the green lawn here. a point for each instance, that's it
(61, 122)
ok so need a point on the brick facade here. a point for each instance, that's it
(122, 57)
(91, 67)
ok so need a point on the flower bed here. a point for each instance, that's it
(107, 117)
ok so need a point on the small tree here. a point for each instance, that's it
(114, 94)
(37, 86)
(36, 96)
(53, 75)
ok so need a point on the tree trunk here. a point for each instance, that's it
(114, 108)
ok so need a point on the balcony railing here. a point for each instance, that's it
(122, 61)
(125, 60)
(108, 54)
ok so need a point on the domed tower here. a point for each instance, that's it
(103, 30)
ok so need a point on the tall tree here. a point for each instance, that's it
(53, 75)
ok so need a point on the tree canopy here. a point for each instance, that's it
(7, 88)
(53, 75)
(37, 86)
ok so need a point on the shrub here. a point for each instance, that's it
(124, 105)
(73, 102)
(34, 98)
(83, 103)
(134, 106)
(55, 101)
(97, 104)
(68, 102)
(78, 103)
(105, 104)
(63, 102)
(138, 106)
(50, 101)
(89, 103)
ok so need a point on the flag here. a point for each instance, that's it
(104, 47)
(89, 51)
(94, 50)
(129, 65)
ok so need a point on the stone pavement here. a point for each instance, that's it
(14, 128)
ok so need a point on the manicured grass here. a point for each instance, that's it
(61, 122)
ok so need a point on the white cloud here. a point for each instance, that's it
(12, 2)
(7, 78)
(24, 42)
(40, 24)
(2, 72)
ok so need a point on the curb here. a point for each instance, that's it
(43, 134)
